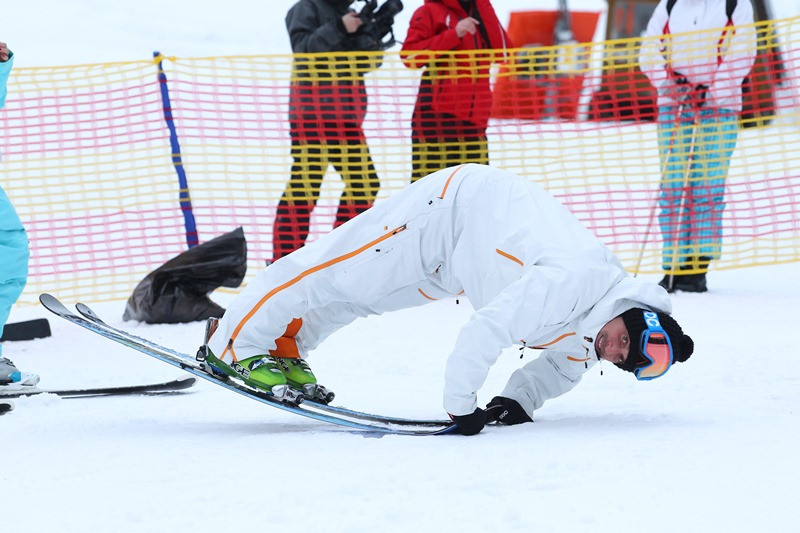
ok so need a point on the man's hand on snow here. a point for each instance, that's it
(506, 411)
(470, 424)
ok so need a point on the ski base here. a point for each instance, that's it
(327, 413)
(150, 389)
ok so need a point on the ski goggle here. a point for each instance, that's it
(656, 347)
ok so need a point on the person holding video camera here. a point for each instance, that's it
(455, 98)
(328, 103)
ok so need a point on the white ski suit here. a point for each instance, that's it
(533, 273)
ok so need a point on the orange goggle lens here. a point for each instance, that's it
(656, 347)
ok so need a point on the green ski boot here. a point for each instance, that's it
(299, 376)
(261, 371)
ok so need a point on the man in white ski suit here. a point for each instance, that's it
(534, 275)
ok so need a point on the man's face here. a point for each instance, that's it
(613, 343)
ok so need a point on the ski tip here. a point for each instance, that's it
(185, 383)
(86, 311)
(52, 304)
(50, 301)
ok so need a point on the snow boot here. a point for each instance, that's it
(10, 376)
(299, 376)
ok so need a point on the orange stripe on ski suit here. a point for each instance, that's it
(450, 177)
(298, 278)
(426, 296)
(564, 336)
(509, 256)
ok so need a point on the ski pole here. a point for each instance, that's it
(684, 187)
(650, 219)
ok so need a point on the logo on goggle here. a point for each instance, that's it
(651, 319)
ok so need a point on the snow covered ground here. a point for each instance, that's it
(711, 447)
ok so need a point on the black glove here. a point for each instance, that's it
(699, 96)
(506, 411)
(676, 86)
(688, 96)
(470, 424)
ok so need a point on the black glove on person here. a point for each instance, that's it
(675, 86)
(678, 87)
(699, 96)
(506, 411)
(686, 95)
(470, 424)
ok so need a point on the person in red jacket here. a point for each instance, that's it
(455, 98)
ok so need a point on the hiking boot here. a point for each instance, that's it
(10, 375)
(299, 376)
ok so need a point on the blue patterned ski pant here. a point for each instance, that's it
(691, 216)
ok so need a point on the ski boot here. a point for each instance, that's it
(685, 283)
(689, 282)
(300, 377)
(13, 378)
(261, 371)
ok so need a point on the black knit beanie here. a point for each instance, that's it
(682, 345)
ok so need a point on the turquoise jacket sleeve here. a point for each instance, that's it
(5, 70)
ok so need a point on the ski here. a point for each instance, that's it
(87, 313)
(6, 406)
(166, 387)
(86, 318)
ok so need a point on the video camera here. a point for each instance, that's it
(376, 25)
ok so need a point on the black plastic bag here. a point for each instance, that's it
(27, 330)
(178, 290)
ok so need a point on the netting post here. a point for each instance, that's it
(184, 198)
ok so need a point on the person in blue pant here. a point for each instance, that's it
(13, 250)
(697, 53)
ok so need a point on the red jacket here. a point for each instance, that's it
(460, 86)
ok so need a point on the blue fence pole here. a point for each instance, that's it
(183, 196)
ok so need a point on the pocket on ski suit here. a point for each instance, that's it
(382, 269)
